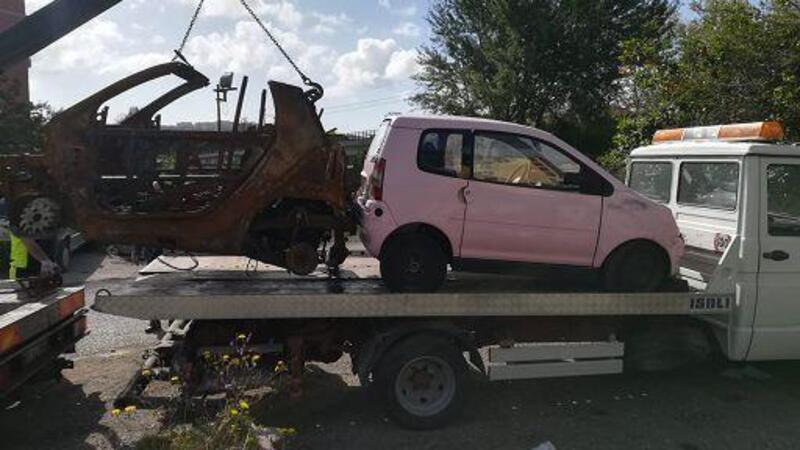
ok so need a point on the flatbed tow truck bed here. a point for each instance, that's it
(219, 289)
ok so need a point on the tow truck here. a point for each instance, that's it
(730, 188)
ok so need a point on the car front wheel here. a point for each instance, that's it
(635, 267)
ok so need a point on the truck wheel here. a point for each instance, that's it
(413, 263)
(421, 380)
(634, 267)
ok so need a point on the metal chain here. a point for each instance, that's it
(179, 51)
(316, 90)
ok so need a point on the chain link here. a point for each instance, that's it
(179, 51)
(316, 90)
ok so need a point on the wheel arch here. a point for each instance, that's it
(663, 253)
(371, 353)
(424, 229)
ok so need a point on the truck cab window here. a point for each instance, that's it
(712, 185)
(652, 179)
(783, 200)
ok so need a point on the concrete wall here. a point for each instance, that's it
(12, 11)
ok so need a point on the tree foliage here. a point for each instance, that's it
(553, 64)
(735, 62)
(21, 122)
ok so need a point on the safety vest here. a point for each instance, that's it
(19, 256)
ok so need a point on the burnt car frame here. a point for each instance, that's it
(273, 192)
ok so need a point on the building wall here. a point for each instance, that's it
(12, 11)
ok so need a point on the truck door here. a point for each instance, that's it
(776, 329)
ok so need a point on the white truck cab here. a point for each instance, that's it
(735, 195)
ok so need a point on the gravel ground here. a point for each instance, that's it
(701, 407)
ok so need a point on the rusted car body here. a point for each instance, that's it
(275, 193)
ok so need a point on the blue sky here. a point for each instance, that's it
(363, 52)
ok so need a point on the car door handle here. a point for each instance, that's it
(466, 194)
(777, 255)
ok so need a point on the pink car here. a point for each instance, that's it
(481, 195)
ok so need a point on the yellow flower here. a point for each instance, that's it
(116, 412)
(175, 380)
(243, 405)
(280, 367)
(241, 337)
(130, 409)
(146, 373)
(226, 357)
(256, 359)
(234, 412)
(207, 355)
(235, 361)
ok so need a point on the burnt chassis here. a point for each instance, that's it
(275, 193)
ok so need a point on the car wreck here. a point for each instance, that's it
(272, 192)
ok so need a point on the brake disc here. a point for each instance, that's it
(39, 216)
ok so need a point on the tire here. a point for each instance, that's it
(635, 267)
(413, 263)
(421, 381)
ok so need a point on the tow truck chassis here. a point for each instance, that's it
(529, 334)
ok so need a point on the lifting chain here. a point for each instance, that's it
(179, 51)
(316, 91)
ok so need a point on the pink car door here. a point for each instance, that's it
(524, 204)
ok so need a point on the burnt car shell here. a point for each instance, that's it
(259, 192)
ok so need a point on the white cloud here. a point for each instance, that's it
(374, 63)
(407, 29)
(404, 10)
(330, 23)
(284, 12)
(91, 46)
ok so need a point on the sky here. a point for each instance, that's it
(364, 53)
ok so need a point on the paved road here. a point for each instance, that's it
(700, 407)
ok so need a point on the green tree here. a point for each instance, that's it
(21, 122)
(546, 63)
(736, 62)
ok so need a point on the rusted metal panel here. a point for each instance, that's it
(263, 192)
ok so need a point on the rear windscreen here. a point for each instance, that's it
(377, 141)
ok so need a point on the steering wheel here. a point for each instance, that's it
(520, 173)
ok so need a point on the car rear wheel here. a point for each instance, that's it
(422, 381)
(413, 263)
(635, 267)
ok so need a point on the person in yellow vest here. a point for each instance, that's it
(20, 250)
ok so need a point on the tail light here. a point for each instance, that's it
(376, 180)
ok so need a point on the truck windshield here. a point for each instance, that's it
(651, 179)
(709, 184)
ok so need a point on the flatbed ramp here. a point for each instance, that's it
(213, 297)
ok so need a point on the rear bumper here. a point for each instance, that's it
(375, 225)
